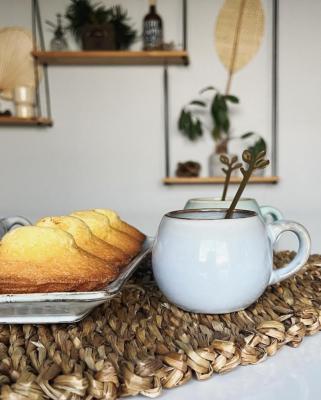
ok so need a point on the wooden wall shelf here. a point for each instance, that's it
(112, 57)
(16, 121)
(217, 180)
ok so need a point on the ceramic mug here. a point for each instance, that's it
(207, 264)
(7, 223)
(244, 204)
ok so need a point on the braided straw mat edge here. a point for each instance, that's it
(138, 343)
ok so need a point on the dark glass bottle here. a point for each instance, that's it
(152, 29)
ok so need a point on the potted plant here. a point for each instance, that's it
(193, 122)
(99, 28)
(125, 35)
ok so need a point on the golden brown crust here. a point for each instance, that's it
(81, 252)
(85, 239)
(39, 259)
(100, 226)
(20, 277)
(122, 226)
(102, 249)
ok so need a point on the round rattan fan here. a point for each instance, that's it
(16, 62)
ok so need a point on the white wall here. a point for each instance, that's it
(106, 147)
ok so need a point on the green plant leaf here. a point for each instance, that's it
(231, 98)
(216, 133)
(198, 128)
(226, 124)
(190, 128)
(222, 103)
(181, 120)
(221, 116)
(247, 135)
(216, 106)
(219, 102)
(207, 88)
(258, 147)
(198, 103)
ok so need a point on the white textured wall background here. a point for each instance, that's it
(106, 147)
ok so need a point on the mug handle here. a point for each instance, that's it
(275, 229)
(273, 212)
(12, 221)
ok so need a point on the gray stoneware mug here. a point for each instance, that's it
(264, 212)
(205, 263)
(8, 223)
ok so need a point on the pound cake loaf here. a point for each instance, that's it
(36, 259)
(122, 226)
(100, 226)
(86, 240)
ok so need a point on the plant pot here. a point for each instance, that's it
(98, 37)
(215, 166)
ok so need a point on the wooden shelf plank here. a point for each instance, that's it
(172, 57)
(217, 180)
(16, 121)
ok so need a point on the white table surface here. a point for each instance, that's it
(291, 374)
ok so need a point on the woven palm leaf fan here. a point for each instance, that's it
(16, 62)
(238, 34)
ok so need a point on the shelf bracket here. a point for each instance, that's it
(275, 85)
(37, 29)
(166, 119)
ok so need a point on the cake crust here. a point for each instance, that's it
(17, 277)
(40, 259)
(117, 223)
(77, 253)
(100, 225)
(86, 240)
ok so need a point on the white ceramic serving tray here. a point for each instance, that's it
(64, 307)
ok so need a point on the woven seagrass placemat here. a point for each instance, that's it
(139, 343)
